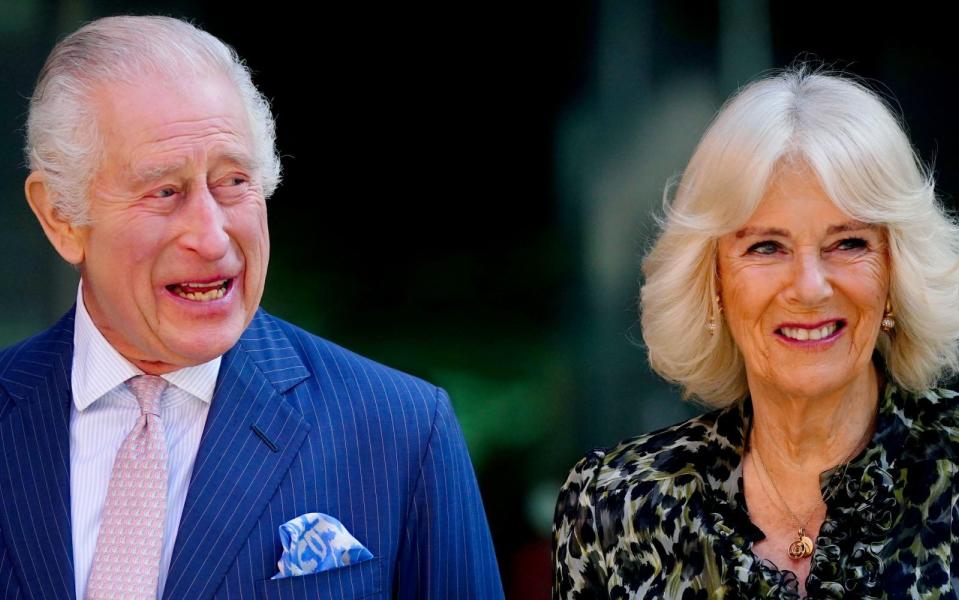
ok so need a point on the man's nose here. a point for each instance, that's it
(810, 283)
(204, 226)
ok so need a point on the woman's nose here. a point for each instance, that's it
(810, 284)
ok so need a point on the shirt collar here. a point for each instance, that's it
(98, 367)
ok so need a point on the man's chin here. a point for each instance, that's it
(161, 367)
(195, 340)
(204, 350)
(151, 367)
(188, 351)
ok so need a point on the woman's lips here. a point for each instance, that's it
(811, 333)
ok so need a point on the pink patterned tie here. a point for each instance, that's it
(126, 563)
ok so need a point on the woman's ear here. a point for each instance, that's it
(65, 236)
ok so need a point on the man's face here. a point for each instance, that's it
(175, 259)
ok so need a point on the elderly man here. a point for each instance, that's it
(167, 438)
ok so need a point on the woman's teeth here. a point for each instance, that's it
(799, 333)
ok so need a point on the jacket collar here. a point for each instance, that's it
(251, 437)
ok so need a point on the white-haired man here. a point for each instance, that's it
(167, 438)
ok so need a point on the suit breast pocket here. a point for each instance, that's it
(362, 580)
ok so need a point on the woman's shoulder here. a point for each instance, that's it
(934, 407)
(931, 419)
(621, 506)
(708, 445)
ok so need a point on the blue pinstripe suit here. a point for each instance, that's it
(297, 425)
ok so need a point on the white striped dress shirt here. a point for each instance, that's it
(103, 413)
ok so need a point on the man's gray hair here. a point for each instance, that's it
(63, 140)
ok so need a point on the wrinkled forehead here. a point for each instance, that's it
(158, 123)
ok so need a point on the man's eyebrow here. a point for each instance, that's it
(150, 172)
(241, 159)
(851, 225)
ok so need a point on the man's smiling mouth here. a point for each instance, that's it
(201, 292)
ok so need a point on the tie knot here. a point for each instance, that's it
(147, 389)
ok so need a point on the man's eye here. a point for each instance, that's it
(764, 248)
(234, 184)
(166, 192)
(852, 244)
(233, 181)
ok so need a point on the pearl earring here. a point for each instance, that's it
(888, 319)
(711, 325)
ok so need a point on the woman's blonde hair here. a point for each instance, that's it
(856, 145)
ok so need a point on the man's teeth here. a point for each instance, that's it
(202, 296)
(799, 333)
(182, 290)
(219, 283)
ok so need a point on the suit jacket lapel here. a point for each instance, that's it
(35, 461)
(251, 436)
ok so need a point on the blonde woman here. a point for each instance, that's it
(806, 286)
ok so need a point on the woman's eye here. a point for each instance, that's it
(852, 244)
(764, 248)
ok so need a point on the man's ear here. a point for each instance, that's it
(64, 236)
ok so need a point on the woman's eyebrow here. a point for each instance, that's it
(762, 231)
(851, 225)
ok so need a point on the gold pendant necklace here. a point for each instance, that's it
(802, 546)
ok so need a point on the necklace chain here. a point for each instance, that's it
(802, 546)
(801, 524)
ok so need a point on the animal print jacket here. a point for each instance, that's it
(663, 515)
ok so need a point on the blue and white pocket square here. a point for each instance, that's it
(316, 542)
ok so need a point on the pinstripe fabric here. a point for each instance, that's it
(34, 465)
(296, 425)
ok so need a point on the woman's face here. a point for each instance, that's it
(803, 288)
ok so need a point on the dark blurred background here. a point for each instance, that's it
(469, 187)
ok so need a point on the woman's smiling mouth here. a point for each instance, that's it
(825, 331)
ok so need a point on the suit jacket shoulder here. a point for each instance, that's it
(27, 363)
(34, 468)
(377, 449)
(377, 387)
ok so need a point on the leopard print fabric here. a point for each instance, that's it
(663, 515)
